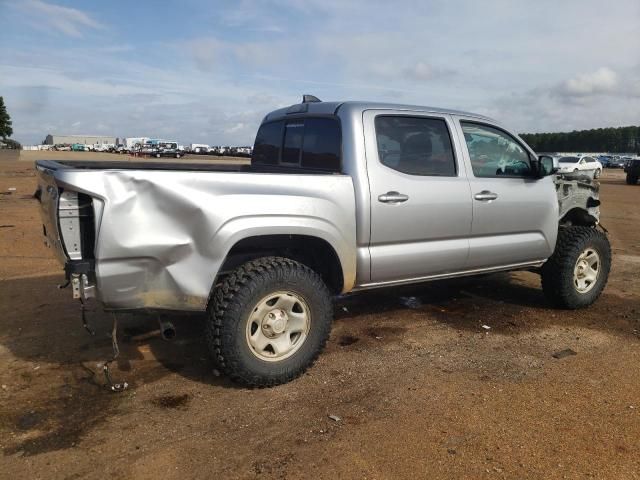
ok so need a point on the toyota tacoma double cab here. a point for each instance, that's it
(339, 197)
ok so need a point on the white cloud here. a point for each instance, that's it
(422, 71)
(235, 128)
(603, 80)
(205, 52)
(66, 20)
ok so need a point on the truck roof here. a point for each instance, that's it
(331, 108)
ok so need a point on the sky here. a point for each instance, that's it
(202, 71)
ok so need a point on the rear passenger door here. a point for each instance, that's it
(515, 215)
(420, 197)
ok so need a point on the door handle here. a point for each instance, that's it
(393, 197)
(485, 195)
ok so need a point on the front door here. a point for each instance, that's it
(515, 215)
(420, 197)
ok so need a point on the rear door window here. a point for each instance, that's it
(415, 145)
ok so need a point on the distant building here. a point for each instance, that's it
(83, 139)
(131, 142)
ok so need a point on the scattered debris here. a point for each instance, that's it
(567, 352)
(335, 418)
(486, 327)
(11, 189)
(37, 367)
(451, 451)
(5, 193)
(344, 309)
(7, 226)
(411, 302)
(4, 387)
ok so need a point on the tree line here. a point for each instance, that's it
(612, 140)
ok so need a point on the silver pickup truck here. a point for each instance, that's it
(339, 197)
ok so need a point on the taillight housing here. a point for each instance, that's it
(76, 224)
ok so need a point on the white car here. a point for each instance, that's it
(582, 163)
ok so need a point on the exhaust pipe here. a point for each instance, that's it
(167, 330)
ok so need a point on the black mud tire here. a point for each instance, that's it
(632, 179)
(557, 273)
(232, 303)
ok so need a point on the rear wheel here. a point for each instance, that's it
(578, 270)
(597, 173)
(632, 179)
(269, 321)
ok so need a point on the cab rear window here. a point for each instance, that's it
(307, 143)
(266, 150)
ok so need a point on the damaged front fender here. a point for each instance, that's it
(578, 199)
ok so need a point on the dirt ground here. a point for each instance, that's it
(419, 387)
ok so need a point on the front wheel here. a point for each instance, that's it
(269, 321)
(578, 270)
(597, 173)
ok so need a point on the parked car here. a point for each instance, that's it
(338, 198)
(62, 148)
(148, 149)
(580, 164)
(620, 162)
(632, 169)
(605, 161)
(199, 148)
(102, 147)
(169, 149)
(119, 148)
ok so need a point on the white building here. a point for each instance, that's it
(53, 139)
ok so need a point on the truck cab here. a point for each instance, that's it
(438, 192)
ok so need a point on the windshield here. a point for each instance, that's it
(568, 159)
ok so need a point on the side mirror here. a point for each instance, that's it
(546, 165)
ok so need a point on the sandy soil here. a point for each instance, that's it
(421, 389)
